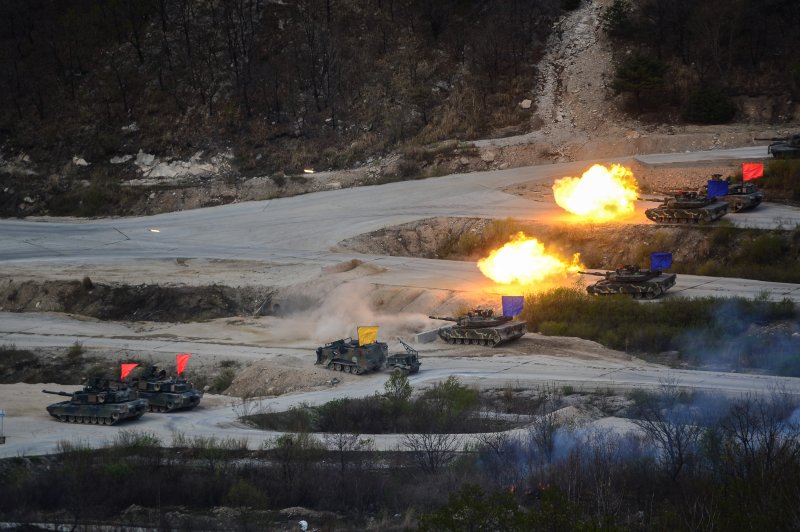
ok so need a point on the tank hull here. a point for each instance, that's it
(349, 357)
(649, 289)
(491, 336)
(166, 395)
(168, 401)
(742, 202)
(784, 151)
(98, 414)
(673, 215)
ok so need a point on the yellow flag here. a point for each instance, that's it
(367, 334)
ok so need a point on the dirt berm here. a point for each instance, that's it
(135, 303)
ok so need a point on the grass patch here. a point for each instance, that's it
(448, 407)
(734, 333)
(781, 180)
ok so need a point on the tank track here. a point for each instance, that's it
(95, 420)
(345, 366)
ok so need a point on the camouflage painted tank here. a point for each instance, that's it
(784, 147)
(688, 208)
(740, 196)
(101, 402)
(165, 394)
(347, 356)
(632, 281)
(481, 327)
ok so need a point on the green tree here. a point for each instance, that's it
(709, 105)
(641, 76)
(616, 19)
(397, 389)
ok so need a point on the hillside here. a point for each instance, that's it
(123, 107)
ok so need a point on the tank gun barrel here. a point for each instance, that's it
(65, 394)
(592, 273)
(652, 200)
(445, 318)
(771, 138)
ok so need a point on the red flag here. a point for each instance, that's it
(181, 360)
(126, 370)
(752, 171)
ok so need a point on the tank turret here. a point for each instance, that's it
(631, 280)
(481, 326)
(688, 208)
(102, 401)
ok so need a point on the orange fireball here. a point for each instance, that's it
(524, 260)
(599, 195)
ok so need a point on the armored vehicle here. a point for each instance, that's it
(480, 326)
(101, 402)
(740, 196)
(348, 356)
(631, 280)
(165, 394)
(407, 362)
(688, 208)
(784, 147)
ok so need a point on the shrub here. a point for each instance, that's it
(709, 105)
(764, 249)
(223, 381)
(75, 350)
(245, 495)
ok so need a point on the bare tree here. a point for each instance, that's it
(671, 426)
(545, 424)
(432, 451)
(760, 434)
(345, 443)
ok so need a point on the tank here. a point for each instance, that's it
(630, 280)
(407, 362)
(688, 208)
(165, 394)
(784, 147)
(102, 401)
(347, 356)
(482, 327)
(740, 196)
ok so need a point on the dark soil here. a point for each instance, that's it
(136, 303)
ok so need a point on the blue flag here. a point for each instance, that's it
(512, 305)
(717, 188)
(660, 260)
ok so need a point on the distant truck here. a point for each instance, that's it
(346, 355)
